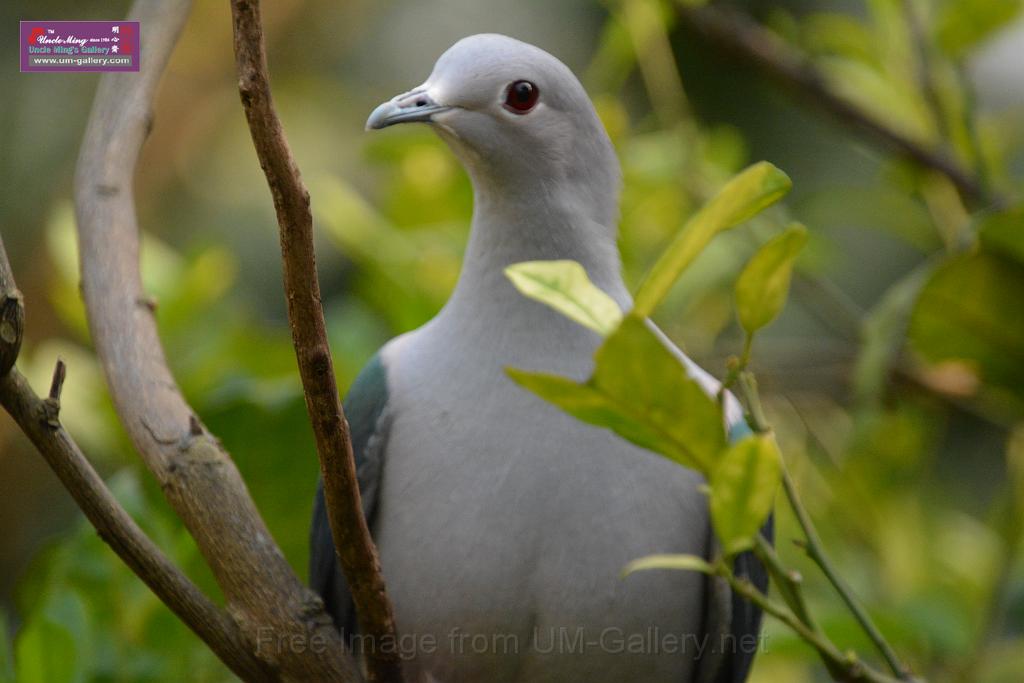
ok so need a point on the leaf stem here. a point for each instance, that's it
(748, 344)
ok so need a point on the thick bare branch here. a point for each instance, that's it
(738, 35)
(283, 622)
(355, 548)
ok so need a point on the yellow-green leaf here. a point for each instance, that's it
(750, 192)
(46, 652)
(743, 488)
(691, 563)
(590, 405)
(964, 24)
(640, 391)
(635, 365)
(565, 287)
(1004, 233)
(764, 283)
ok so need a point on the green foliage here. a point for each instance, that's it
(565, 287)
(832, 33)
(672, 415)
(47, 653)
(743, 487)
(763, 285)
(89, 618)
(884, 332)
(963, 24)
(975, 334)
(641, 390)
(979, 329)
(56, 646)
(744, 196)
(1003, 232)
(884, 95)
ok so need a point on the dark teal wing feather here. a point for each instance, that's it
(365, 407)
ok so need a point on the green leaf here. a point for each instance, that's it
(963, 24)
(680, 562)
(881, 94)
(743, 490)
(746, 195)
(764, 283)
(635, 365)
(884, 332)
(641, 391)
(565, 287)
(590, 405)
(838, 33)
(971, 313)
(46, 653)
(1004, 232)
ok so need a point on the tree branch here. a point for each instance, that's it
(282, 621)
(352, 542)
(736, 34)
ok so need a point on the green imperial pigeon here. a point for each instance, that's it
(504, 524)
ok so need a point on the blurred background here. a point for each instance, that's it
(894, 378)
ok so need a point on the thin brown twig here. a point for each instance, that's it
(60, 371)
(740, 36)
(353, 544)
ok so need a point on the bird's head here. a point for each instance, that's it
(519, 120)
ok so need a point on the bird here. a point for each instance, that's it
(503, 524)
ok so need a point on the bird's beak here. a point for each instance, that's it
(415, 105)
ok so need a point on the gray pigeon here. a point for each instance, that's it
(504, 524)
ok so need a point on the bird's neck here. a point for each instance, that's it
(532, 224)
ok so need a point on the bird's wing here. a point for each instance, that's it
(732, 624)
(366, 411)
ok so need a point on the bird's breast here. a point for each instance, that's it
(504, 525)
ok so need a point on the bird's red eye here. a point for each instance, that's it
(521, 97)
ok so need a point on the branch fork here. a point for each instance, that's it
(267, 608)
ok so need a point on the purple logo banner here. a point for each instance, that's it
(79, 46)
